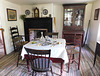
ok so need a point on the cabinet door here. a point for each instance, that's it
(74, 17)
(68, 16)
(78, 17)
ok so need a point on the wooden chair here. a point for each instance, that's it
(40, 60)
(17, 41)
(14, 34)
(52, 34)
(75, 49)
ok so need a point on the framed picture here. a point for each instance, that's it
(12, 15)
(96, 14)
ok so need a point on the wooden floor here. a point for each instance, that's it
(8, 66)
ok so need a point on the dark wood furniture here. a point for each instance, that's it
(68, 35)
(73, 21)
(36, 12)
(16, 38)
(14, 34)
(51, 34)
(17, 41)
(97, 51)
(54, 60)
(40, 60)
(37, 23)
(72, 50)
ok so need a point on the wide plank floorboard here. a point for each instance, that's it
(8, 66)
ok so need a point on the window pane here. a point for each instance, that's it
(68, 17)
(79, 15)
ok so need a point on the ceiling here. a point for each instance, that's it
(31, 2)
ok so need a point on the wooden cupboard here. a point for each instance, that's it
(73, 21)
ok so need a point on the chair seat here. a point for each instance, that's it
(72, 51)
(20, 44)
(41, 62)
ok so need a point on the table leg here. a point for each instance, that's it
(62, 68)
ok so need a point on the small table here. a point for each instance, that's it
(58, 51)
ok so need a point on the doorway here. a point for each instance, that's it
(2, 44)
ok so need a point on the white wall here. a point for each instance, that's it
(49, 7)
(58, 14)
(94, 27)
(23, 9)
(88, 11)
(6, 24)
(98, 35)
(26, 7)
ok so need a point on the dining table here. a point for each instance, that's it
(57, 47)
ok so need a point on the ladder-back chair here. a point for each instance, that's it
(17, 41)
(75, 49)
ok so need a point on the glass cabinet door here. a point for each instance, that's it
(68, 17)
(73, 16)
(79, 16)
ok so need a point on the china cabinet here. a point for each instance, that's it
(73, 21)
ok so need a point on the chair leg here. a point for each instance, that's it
(51, 71)
(73, 58)
(62, 68)
(47, 74)
(18, 61)
(33, 72)
(18, 58)
(69, 63)
(28, 64)
(79, 61)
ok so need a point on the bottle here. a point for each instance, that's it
(42, 37)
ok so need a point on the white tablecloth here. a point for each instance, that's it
(57, 51)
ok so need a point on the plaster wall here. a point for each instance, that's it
(94, 33)
(7, 24)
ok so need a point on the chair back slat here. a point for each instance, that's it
(14, 30)
(14, 36)
(40, 59)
